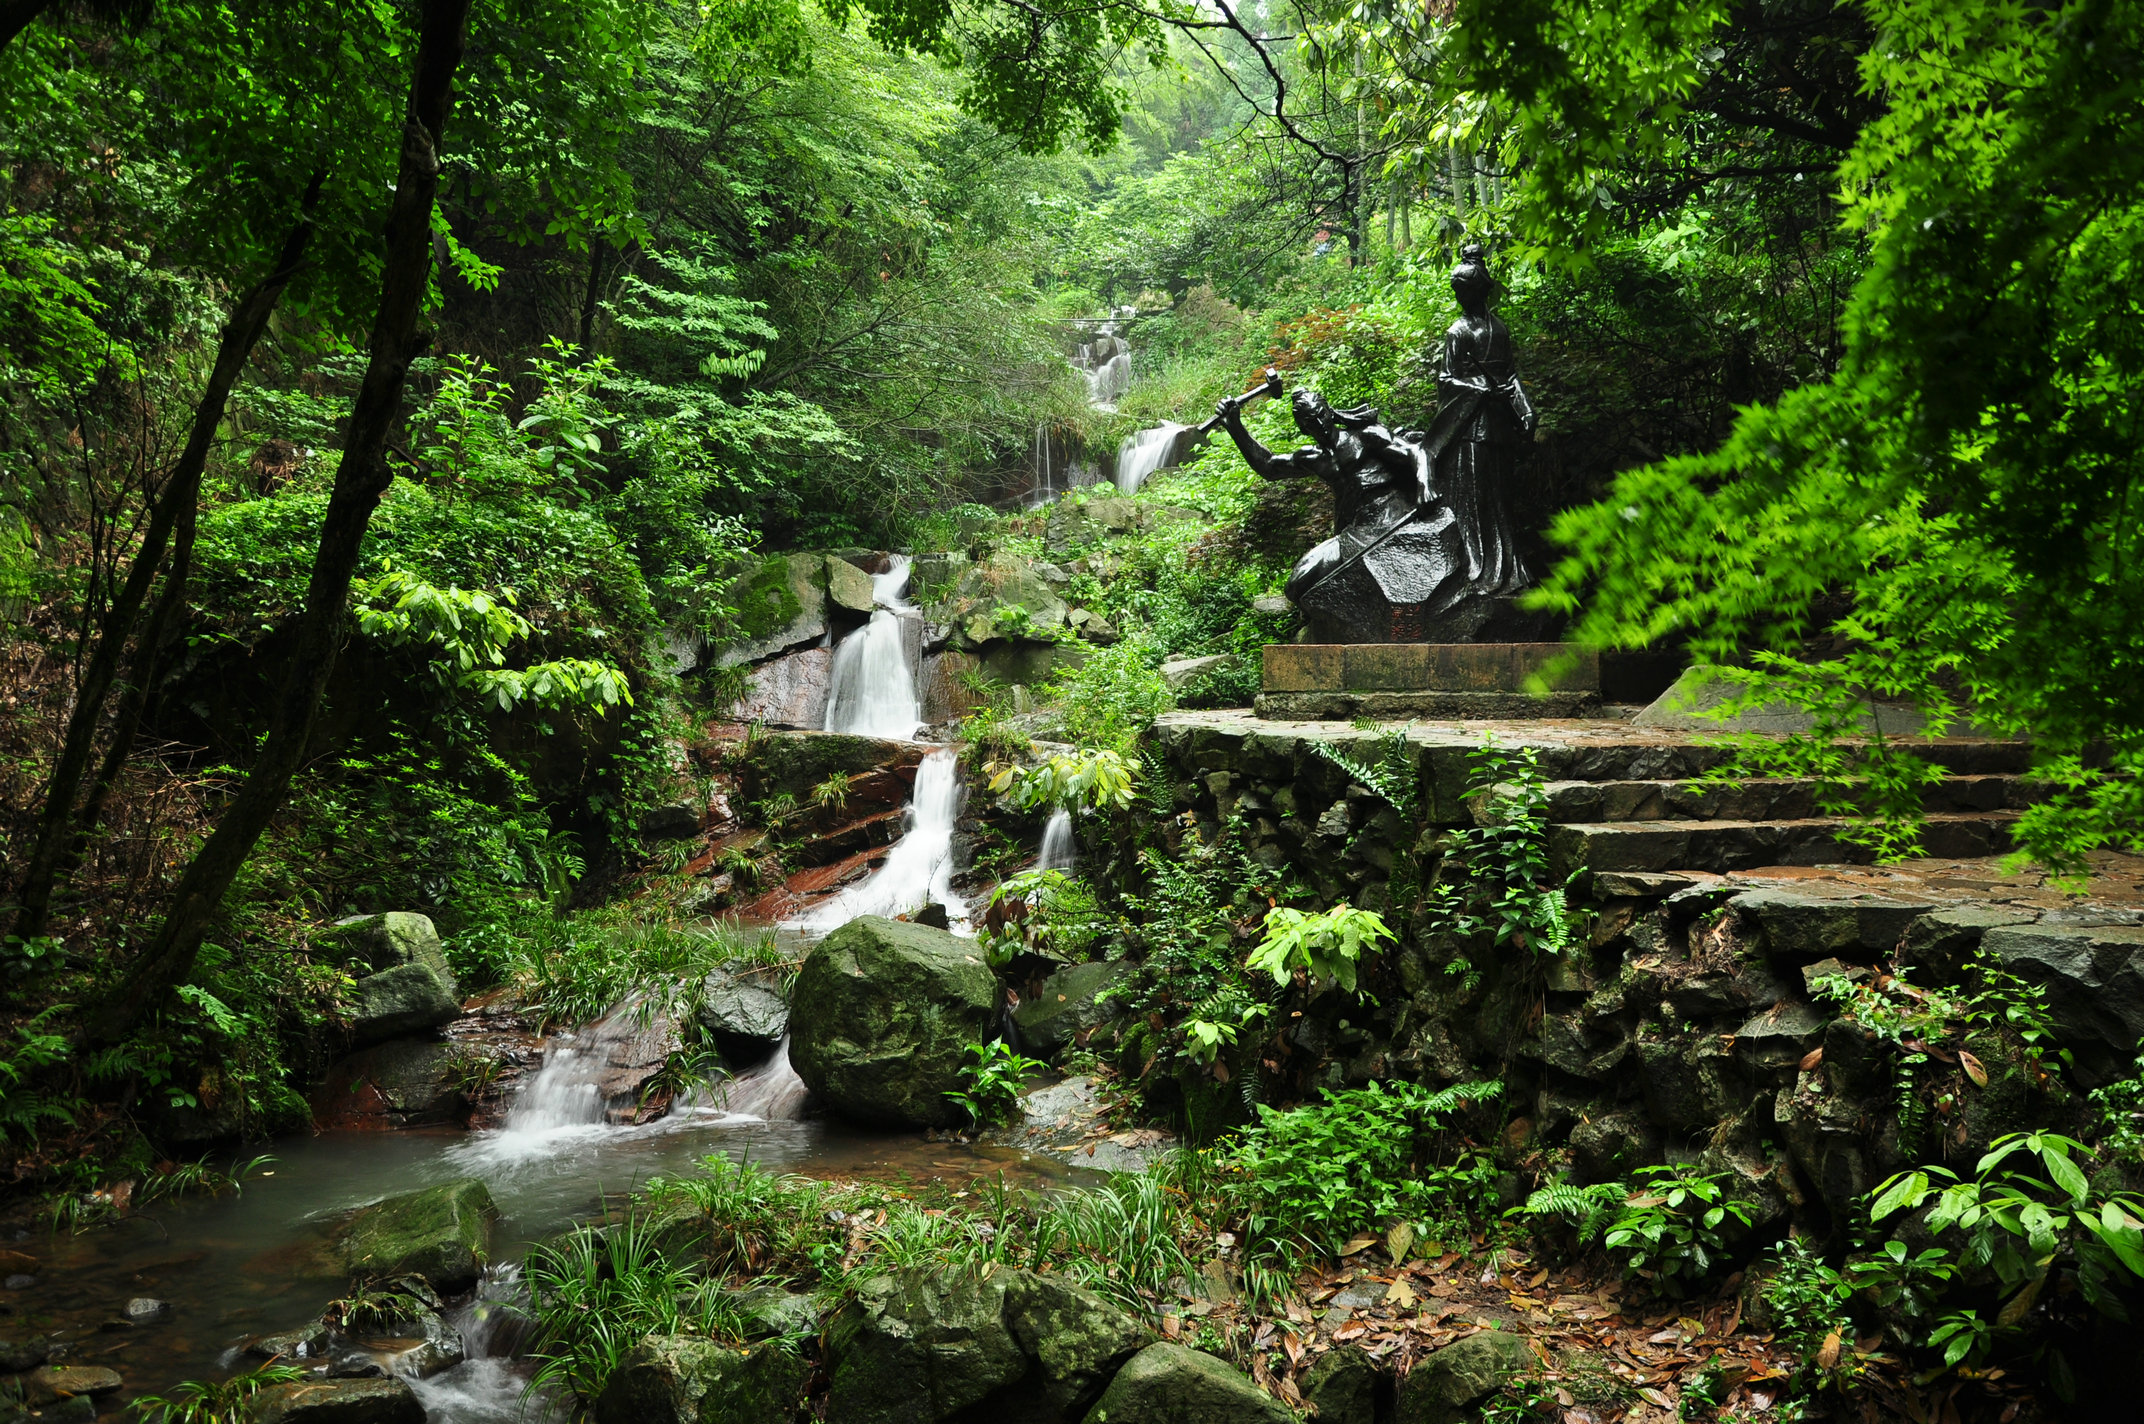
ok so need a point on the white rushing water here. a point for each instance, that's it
(1057, 851)
(1142, 453)
(771, 1092)
(919, 869)
(873, 692)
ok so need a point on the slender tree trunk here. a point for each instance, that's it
(592, 299)
(16, 15)
(58, 826)
(398, 337)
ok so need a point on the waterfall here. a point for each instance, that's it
(565, 1100)
(874, 689)
(1142, 453)
(1057, 852)
(772, 1092)
(919, 869)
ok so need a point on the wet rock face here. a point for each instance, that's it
(680, 1379)
(746, 1018)
(882, 1017)
(2094, 977)
(920, 1346)
(1168, 1384)
(1064, 1007)
(406, 1082)
(441, 1233)
(411, 989)
(357, 1401)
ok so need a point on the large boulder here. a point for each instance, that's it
(882, 1017)
(779, 604)
(686, 1379)
(338, 1401)
(406, 1082)
(1168, 1384)
(790, 690)
(1446, 1385)
(2094, 978)
(1067, 1005)
(980, 608)
(918, 1346)
(441, 1233)
(744, 1017)
(411, 988)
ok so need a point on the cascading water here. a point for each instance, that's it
(490, 1385)
(1057, 851)
(771, 1092)
(874, 689)
(1143, 452)
(919, 869)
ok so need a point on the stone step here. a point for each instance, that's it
(1757, 799)
(1722, 845)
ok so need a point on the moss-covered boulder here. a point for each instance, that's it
(1168, 1384)
(779, 604)
(1446, 1385)
(441, 1233)
(411, 987)
(921, 1346)
(881, 1019)
(980, 609)
(341, 1401)
(685, 1379)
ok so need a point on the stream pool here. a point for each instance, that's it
(235, 1266)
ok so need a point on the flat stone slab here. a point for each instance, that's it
(1427, 667)
(1393, 706)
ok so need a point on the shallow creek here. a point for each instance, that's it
(237, 1266)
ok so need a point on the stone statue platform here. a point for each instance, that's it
(1343, 681)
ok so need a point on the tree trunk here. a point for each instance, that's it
(58, 826)
(398, 337)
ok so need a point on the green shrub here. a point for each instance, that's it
(1112, 697)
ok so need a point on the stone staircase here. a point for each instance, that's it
(1620, 797)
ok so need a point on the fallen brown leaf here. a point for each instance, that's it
(1827, 1355)
(1811, 1059)
(1972, 1068)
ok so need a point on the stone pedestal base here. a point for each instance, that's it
(1450, 680)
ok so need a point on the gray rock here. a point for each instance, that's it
(1803, 926)
(20, 1280)
(2094, 977)
(23, 1353)
(412, 988)
(1341, 1388)
(1444, 1386)
(1612, 1146)
(356, 1365)
(438, 1347)
(54, 1382)
(307, 1342)
(74, 1409)
(746, 1018)
(780, 605)
(978, 607)
(1786, 1030)
(684, 1379)
(1076, 1339)
(789, 691)
(780, 1312)
(848, 586)
(408, 1082)
(677, 821)
(882, 1017)
(441, 1233)
(357, 1401)
(142, 1310)
(1168, 1384)
(1065, 1006)
(794, 763)
(1271, 605)
(1937, 945)
(1182, 672)
(1697, 701)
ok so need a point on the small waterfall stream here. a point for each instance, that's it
(919, 869)
(1057, 849)
(874, 689)
(1143, 452)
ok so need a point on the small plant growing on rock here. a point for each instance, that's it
(213, 1401)
(832, 793)
(992, 1081)
(1327, 946)
(1673, 1230)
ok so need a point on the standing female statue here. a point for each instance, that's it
(1422, 548)
(1483, 417)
